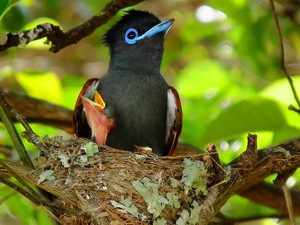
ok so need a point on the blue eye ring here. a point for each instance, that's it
(131, 36)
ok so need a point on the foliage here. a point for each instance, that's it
(226, 70)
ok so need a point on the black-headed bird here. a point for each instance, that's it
(132, 105)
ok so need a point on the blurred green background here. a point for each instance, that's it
(223, 57)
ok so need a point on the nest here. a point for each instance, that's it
(101, 185)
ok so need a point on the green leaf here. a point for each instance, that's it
(42, 85)
(250, 115)
(285, 134)
(72, 86)
(234, 205)
(4, 7)
(281, 90)
(191, 81)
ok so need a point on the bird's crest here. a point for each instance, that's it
(140, 20)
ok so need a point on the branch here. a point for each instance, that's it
(6, 118)
(110, 174)
(60, 39)
(245, 172)
(282, 60)
(39, 111)
(268, 195)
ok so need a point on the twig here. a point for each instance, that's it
(15, 175)
(293, 108)
(21, 190)
(249, 158)
(219, 170)
(38, 200)
(60, 39)
(289, 204)
(282, 60)
(39, 111)
(6, 118)
(29, 134)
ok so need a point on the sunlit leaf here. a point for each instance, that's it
(72, 86)
(285, 134)
(281, 90)
(27, 2)
(42, 85)
(235, 203)
(202, 77)
(250, 115)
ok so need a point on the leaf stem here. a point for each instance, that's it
(7, 120)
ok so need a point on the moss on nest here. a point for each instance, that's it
(120, 187)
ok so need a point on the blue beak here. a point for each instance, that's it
(161, 27)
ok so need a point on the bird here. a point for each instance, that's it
(132, 105)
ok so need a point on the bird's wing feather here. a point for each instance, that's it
(174, 120)
(79, 121)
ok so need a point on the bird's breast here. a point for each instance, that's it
(140, 106)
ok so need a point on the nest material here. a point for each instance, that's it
(121, 187)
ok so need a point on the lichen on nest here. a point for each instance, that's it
(112, 186)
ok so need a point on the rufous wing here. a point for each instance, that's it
(174, 121)
(79, 122)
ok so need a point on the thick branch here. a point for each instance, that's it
(271, 196)
(39, 111)
(279, 159)
(60, 39)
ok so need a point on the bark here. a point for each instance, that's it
(57, 37)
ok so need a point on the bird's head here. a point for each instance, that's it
(138, 35)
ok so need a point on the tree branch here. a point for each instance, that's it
(60, 39)
(268, 195)
(7, 120)
(39, 111)
(279, 159)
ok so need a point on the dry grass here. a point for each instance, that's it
(88, 188)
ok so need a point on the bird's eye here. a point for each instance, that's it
(131, 36)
